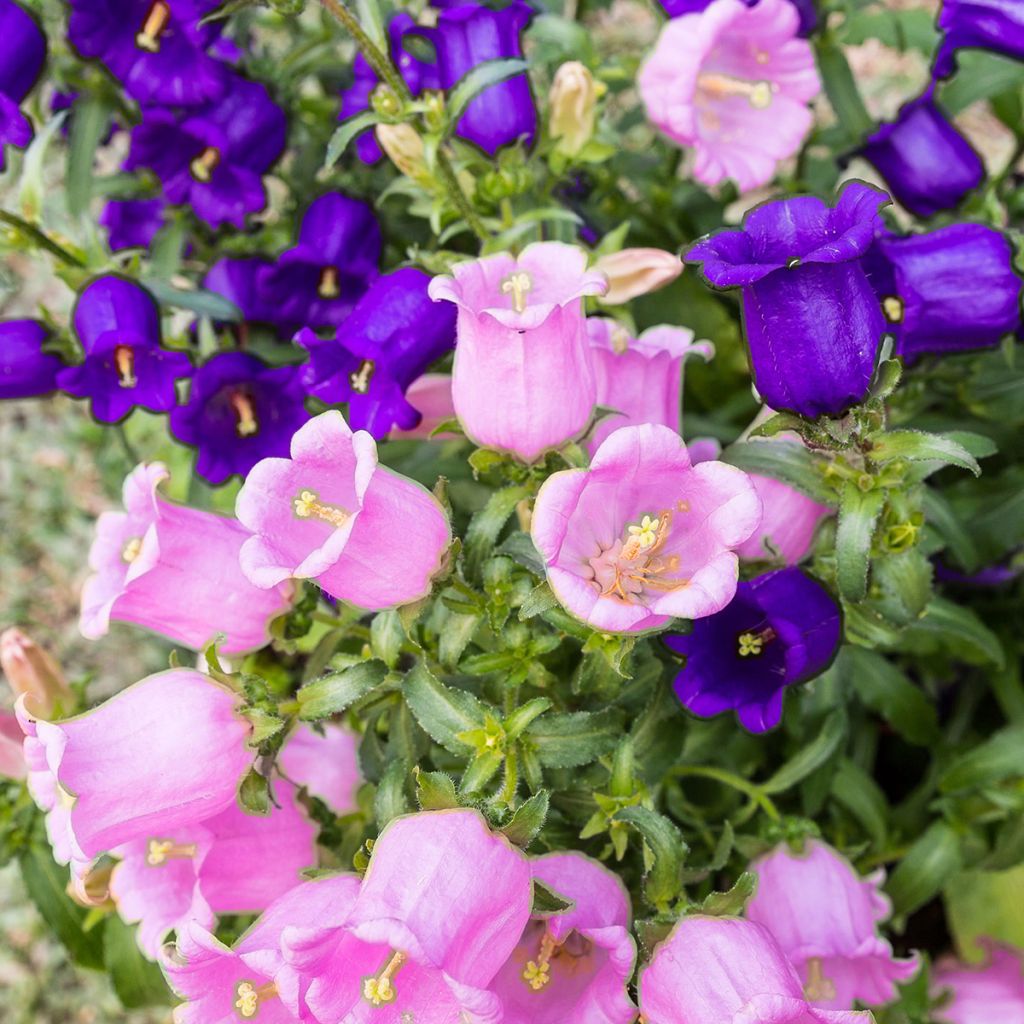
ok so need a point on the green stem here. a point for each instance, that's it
(727, 778)
(40, 238)
(459, 198)
(375, 57)
(508, 791)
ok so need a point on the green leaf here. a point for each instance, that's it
(197, 300)
(547, 902)
(523, 715)
(940, 515)
(788, 461)
(668, 853)
(346, 132)
(372, 22)
(861, 796)
(333, 693)
(137, 981)
(886, 690)
(956, 630)
(541, 600)
(858, 515)
(387, 636)
(487, 524)
(733, 902)
(254, 793)
(456, 632)
(929, 864)
(390, 800)
(484, 766)
(435, 791)
(569, 740)
(811, 757)
(33, 179)
(1000, 757)
(483, 76)
(443, 711)
(528, 820)
(88, 126)
(917, 446)
(980, 76)
(841, 88)
(520, 548)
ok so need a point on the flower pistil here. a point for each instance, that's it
(249, 996)
(153, 27)
(378, 989)
(159, 851)
(308, 506)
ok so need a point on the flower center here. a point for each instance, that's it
(892, 305)
(124, 363)
(308, 506)
(818, 987)
(328, 288)
(378, 989)
(160, 851)
(518, 284)
(752, 644)
(153, 28)
(131, 549)
(246, 423)
(718, 87)
(537, 973)
(205, 164)
(249, 996)
(360, 380)
(633, 565)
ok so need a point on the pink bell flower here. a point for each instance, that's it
(640, 377)
(174, 570)
(522, 381)
(431, 396)
(643, 536)
(992, 993)
(573, 966)
(825, 917)
(721, 970)
(330, 513)
(635, 272)
(441, 908)
(327, 765)
(12, 754)
(788, 524)
(166, 752)
(733, 82)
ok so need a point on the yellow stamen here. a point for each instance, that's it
(153, 27)
(818, 987)
(249, 996)
(646, 533)
(131, 549)
(308, 506)
(378, 989)
(328, 287)
(245, 414)
(124, 361)
(620, 340)
(537, 973)
(752, 644)
(518, 284)
(159, 851)
(360, 380)
(758, 94)
(893, 307)
(205, 164)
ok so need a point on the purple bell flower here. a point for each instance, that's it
(812, 321)
(214, 158)
(780, 629)
(26, 371)
(239, 411)
(390, 339)
(318, 281)
(132, 223)
(154, 47)
(118, 324)
(22, 53)
(996, 25)
(240, 281)
(927, 164)
(946, 290)
(808, 13)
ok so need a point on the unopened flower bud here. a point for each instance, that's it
(573, 100)
(404, 148)
(31, 670)
(633, 272)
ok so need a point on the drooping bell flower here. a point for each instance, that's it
(174, 570)
(781, 628)
(806, 9)
(22, 54)
(733, 82)
(995, 25)
(167, 751)
(240, 281)
(811, 319)
(431, 397)
(318, 281)
(419, 944)
(225, 985)
(156, 48)
(330, 513)
(722, 970)
(132, 223)
(926, 163)
(118, 325)
(523, 379)
(993, 991)
(635, 272)
(643, 536)
(573, 966)
(641, 378)
(391, 337)
(26, 371)
(213, 159)
(325, 763)
(946, 290)
(826, 917)
(32, 670)
(239, 411)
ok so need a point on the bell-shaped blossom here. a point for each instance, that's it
(239, 410)
(811, 319)
(156, 48)
(175, 570)
(325, 763)
(721, 970)
(421, 943)
(523, 379)
(26, 370)
(926, 163)
(573, 966)
(223, 985)
(787, 525)
(826, 917)
(781, 628)
(995, 25)
(213, 159)
(22, 54)
(318, 281)
(32, 670)
(733, 82)
(132, 223)
(239, 279)
(641, 378)
(993, 991)
(431, 397)
(806, 9)
(931, 304)
(329, 512)
(167, 751)
(118, 324)
(644, 536)
(12, 752)
(391, 337)
(635, 272)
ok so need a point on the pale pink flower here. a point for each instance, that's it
(326, 764)
(573, 966)
(788, 524)
(640, 377)
(991, 993)
(635, 272)
(733, 82)
(431, 396)
(12, 754)
(330, 513)
(722, 970)
(32, 670)
(643, 536)
(175, 570)
(522, 380)
(825, 917)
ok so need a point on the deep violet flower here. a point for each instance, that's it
(26, 371)
(22, 53)
(213, 158)
(812, 321)
(318, 281)
(132, 223)
(996, 25)
(389, 340)
(239, 411)
(118, 324)
(984, 994)
(240, 281)
(808, 13)
(926, 163)
(780, 629)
